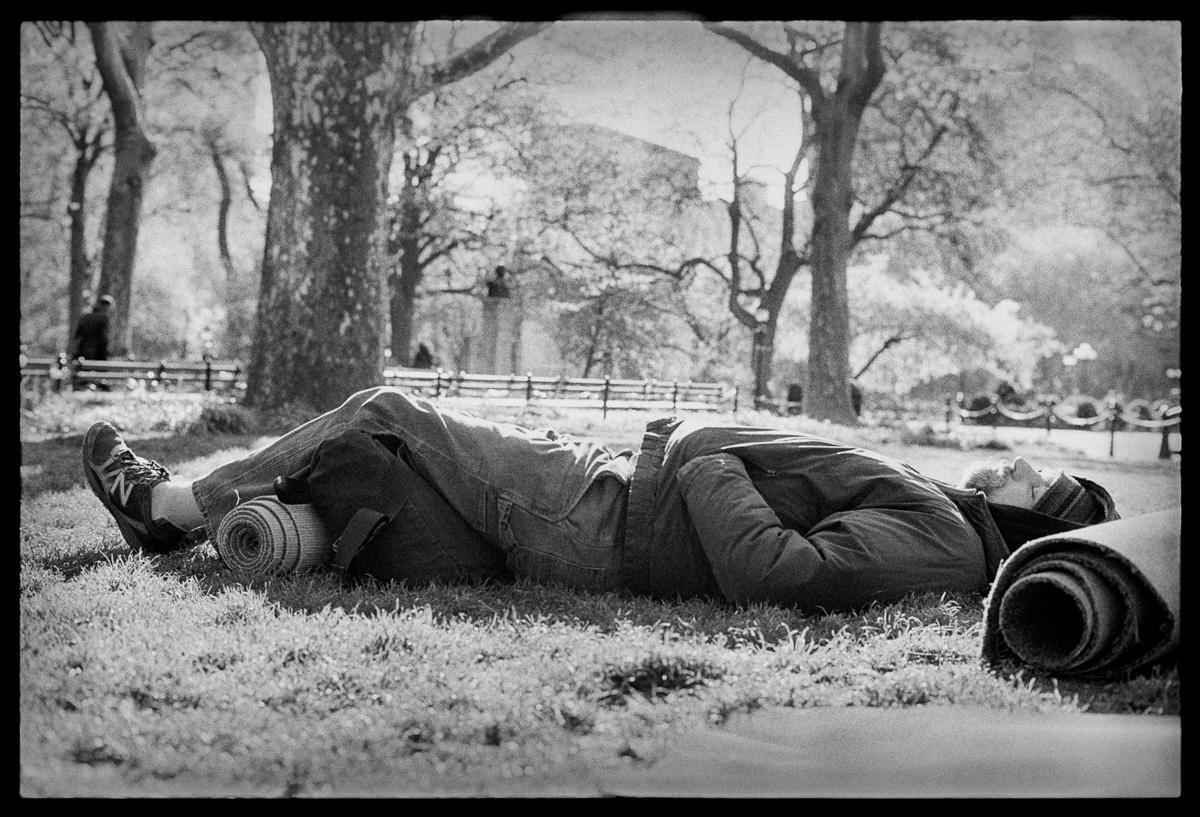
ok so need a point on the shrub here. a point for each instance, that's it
(286, 417)
(1086, 409)
(924, 434)
(224, 418)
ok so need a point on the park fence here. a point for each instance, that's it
(59, 373)
(607, 393)
(1049, 412)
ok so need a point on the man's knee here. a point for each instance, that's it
(375, 392)
(386, 404)
(358, 409)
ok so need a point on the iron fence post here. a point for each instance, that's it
(1112, 426)
(64, 372)
(604, 410)
(528, 386)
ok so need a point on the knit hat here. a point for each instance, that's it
(1067, 499)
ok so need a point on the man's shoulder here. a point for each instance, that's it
(976, 510)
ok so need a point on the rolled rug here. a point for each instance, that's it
(1097, 602)
(263, 536)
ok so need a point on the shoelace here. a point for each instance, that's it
(125, 470)
(140, 467)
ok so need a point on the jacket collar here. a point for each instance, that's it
(1004, 528)
(977, 512)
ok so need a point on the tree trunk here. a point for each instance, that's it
(402, 303)
(214, 153)
(593, 355)
(87, 151)
(322, 305)
(833, 121)
(121, 64)
(763, 358)
(408, 274)
(336, 89)
(827, 393)
(236, 319)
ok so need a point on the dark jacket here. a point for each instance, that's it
(754, 514)
(91, 337)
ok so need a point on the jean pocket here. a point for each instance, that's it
(556, 552)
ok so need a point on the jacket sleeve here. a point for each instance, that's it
(753, 557)
(848, 559)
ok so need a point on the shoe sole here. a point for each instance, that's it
(133, 537)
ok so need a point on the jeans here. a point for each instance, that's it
(555, 504)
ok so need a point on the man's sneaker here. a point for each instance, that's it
(123, 481)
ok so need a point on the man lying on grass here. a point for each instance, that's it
(726, 511)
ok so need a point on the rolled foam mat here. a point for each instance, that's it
(263, 536)
(1097, 602)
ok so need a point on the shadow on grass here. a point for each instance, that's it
(71, 565)
(525, 601)
(756, 626)
(55, 464)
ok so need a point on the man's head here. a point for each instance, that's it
(1054, 493)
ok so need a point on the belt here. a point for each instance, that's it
(643, 495)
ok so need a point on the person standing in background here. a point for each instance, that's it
(90, 340)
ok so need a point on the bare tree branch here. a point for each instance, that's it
(477, 55)
(808, 79)
(862, 43)
(887, 344)
(33, 103)
(897, 190)
(245, 171)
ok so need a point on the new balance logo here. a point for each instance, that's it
(114, 482)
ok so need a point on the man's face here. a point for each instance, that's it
(1023, 486)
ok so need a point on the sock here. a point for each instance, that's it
(174, 503)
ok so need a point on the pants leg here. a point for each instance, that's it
(553, 502)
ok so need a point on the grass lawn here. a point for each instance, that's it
(171, 675)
